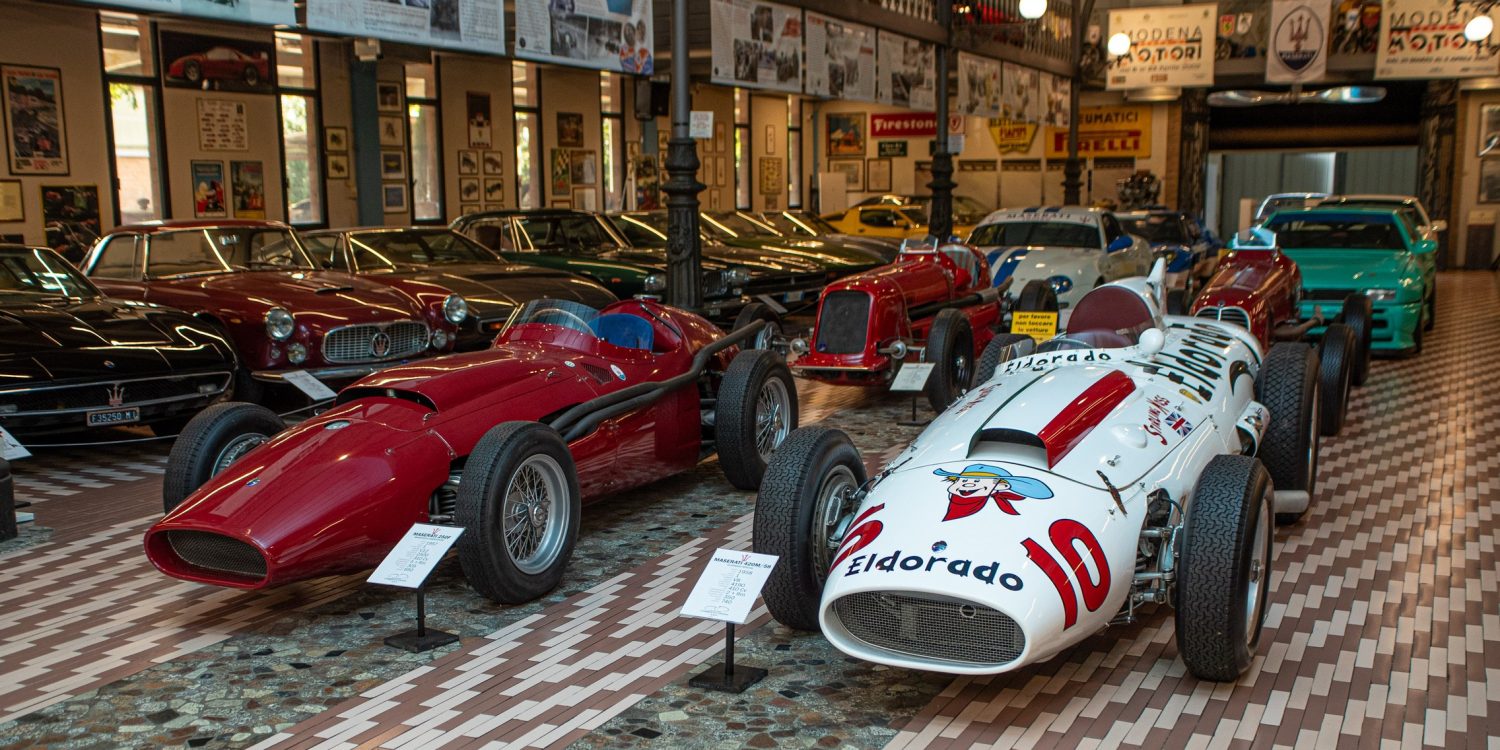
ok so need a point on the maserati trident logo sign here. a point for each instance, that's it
(1299, 41)
(116, 394)
(380, 344)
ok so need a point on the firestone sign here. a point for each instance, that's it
(914, 125)
(1169, 46)
(1425, 39)
(1106, 131)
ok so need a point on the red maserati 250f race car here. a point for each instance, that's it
(571, 404)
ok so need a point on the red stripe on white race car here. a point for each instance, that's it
(1083, 414)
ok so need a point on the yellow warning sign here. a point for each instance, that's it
(1038, 325)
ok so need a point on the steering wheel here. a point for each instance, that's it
(562, 318)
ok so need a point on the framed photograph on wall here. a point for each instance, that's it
(846, 133)
(338, 166)
(878, 175)
(1489, 124)
(1489, 180)
(249, 181)
(494, 207)
(393, 197)
(561, 203)
(336, 140)
(771, 181)
(584, 198)
(494, 163)
(570, 130)
(721, 172)
(74, 208)
(468, 162)
(392, 165)
(468, 190)
(392, 132)
(494, 190)
(481, 131)
(36, 130)
(853, 171)
(209, 195)
(469, 208)
(388, 96)
(213, 62)
(771, 139)
(719, 142)
(12, 203)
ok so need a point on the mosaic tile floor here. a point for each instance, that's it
(1384, 628)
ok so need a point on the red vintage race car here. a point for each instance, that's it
(933, 304)
(571, 405)
(1259, 289)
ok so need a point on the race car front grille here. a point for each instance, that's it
(362, 343)
(217, 553)
(1331, 295)
(842, 323)
(946, 630)
(1226, 315)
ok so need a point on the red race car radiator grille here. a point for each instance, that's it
(842, 323)
(375, 343)
(1226, 314)
(931, 628)
(217, 553)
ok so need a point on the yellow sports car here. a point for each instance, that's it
(897, 222)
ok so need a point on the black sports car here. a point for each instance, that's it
(493, 288)
(72, 359)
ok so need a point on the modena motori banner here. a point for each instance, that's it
(1106, 131)
(1425, 39)
(1298, 41)
(270, 12)
(1169, 46)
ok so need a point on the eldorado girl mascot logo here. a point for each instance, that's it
(971, 489)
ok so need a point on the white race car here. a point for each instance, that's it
(1072, 249)
(1134, 459)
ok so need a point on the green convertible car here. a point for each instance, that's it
(1374, 251)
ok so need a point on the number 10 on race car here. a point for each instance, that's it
(726, 591)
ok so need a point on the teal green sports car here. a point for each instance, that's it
(1373, 251)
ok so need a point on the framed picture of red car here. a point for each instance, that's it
(846, 134)
(37, 140)
(214, 63)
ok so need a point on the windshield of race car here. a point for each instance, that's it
(1156, 228)
(225, 249)
(415, 247)
(1354, 232)
(620, 329)
(32, 272)
(1037, 234)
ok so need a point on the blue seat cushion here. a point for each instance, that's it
(624, 330)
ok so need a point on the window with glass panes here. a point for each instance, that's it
(301, 143)
(134, 96)
(426, 146)
(612, 129)
(529, 170)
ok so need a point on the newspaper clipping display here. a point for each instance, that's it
(755, 44)
(270, 12)
(611, 35)
(1058, 97)
(477, 25)
(1021, 102)
(978, 85)
(1169, 46)
(908, 75)
(1425, 39)
(840, 59)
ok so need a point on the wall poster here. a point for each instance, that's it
(1169, 46)
(249, 181)
(1022, 87)
(771, 181)
(605, 34)
(36, 130)
(223, 125)
(840, 59)
(1425, 39)
(266, 12)
(1057, 93)
(908, 76)
(846, 133)
(756, 44)
(1298, 41)
(481, 126)
(209, 199)
(72, 209)
(214, 63)
(475, 25)
(978, 86)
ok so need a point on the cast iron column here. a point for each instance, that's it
(684, 253)
(941, 211)
(1073, 167)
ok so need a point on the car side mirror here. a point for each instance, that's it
(1424, 247)
(1439, 225)
(1123, 242)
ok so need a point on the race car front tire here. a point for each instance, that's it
(1224, 572)
(211, 441)
(1359, 316)
(1288, 387)
(755, 411)
(1335, 371)
(751, 313)
(519, 504)
(1036, 296)
(950, 346)
(805, 499)
(1001, 349)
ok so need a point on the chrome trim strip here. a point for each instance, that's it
(127, 405)
(350, 371)
(103, 382)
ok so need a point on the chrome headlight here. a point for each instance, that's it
(1380, 295)
(799, 345)
(296, 354)
(279, 324)
(654, 282)
(736, 276)
(455, 309)
(439, 339)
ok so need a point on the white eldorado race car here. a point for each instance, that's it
(1128, 461)
(1071, 248)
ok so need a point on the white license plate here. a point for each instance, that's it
(114, 416)
(795, 296)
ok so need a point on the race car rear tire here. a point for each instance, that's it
(1360, 317)
(519, 504)
(1335, 367)
(1224, 569)
(211, 441)
(1288, 387)
(802, 512)
(755, 411)
(950, 346)
(751, 313)
(1036, 296)
(1001, 349)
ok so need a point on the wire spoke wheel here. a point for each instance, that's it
(832, 515)
(236, 449)
(1260, 573)
(535, 514)
(772, 417)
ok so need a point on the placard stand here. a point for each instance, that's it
(914, 422)
(912, 378)
(421, 639)
(725, 677)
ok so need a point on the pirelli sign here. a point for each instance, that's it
(1106, 131)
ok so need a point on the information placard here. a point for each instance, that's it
(701, 124)
(11, 448)
(1038, 325)
(729, 585)
(913, 376)
(309, 385)
(414, 557)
